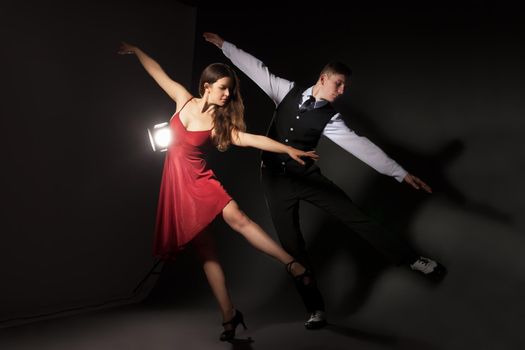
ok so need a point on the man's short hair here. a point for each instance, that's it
(337, 68)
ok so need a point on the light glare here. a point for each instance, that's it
(160, 137)
(163, 137)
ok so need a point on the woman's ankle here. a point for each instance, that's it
(295, 268)
(228, 314)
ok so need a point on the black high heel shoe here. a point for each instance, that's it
(237, 319)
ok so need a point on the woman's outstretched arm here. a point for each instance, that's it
(264, 143)
(175, 90)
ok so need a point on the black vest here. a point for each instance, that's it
(300, 130)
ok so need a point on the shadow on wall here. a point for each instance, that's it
(346, 264)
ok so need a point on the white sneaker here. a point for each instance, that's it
(424, 265)
(429, 268)
(317, 320)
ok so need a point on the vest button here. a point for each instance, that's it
(291, 129)
(285, 140)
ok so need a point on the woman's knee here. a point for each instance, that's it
(235, 217)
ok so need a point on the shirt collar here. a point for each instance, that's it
(307, 93)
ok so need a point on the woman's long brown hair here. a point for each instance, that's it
(229, 117)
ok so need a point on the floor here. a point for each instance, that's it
(145, 327)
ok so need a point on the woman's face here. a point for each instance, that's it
(220, 91)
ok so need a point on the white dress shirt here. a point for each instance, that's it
(336, 129)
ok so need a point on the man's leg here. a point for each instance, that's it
(322, 192)
(284, 210)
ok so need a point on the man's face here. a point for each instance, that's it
(332, 86)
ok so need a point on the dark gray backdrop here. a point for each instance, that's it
(439, 87)
(79, 180)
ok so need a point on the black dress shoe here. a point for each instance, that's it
(317, 320)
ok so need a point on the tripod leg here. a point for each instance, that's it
(157, 262)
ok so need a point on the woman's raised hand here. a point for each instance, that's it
(126, 49)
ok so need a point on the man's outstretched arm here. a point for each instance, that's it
(276, 88)
(369, 153)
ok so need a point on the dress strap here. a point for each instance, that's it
(185, 103)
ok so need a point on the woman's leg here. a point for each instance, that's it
(205, 248)
(257, 237)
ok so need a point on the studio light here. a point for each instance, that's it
(160, 137)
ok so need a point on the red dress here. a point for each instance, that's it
(190, 194)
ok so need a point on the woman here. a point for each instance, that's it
(190, 195)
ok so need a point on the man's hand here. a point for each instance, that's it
(417, 183)
(214, 39)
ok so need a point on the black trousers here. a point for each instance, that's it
(283, 192)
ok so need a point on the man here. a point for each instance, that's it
(301, 116)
